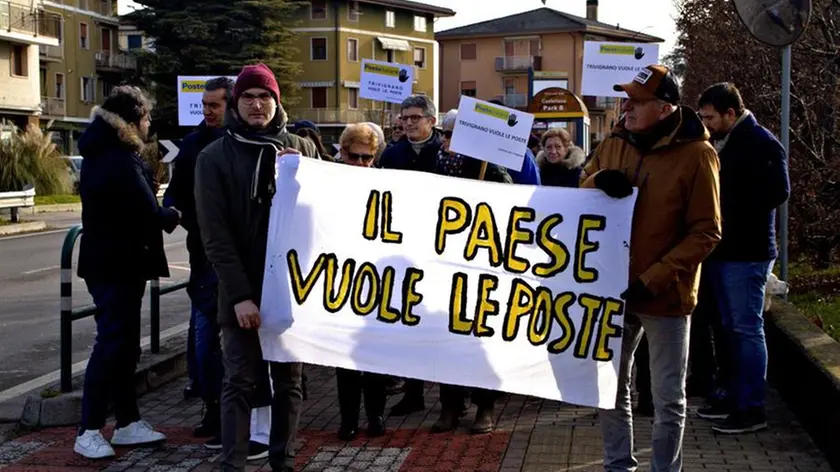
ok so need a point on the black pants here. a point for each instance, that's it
(244, 368)
(110, 370)
(413, 390)
(351, 384)
(709, 360)
(454, 397)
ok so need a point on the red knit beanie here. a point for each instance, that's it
(256, 76)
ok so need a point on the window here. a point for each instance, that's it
(83, 36)
(318, 10)
(510, 86)
(106, 39)
(20, 63)
(135, 41)
(319, 97)
(319, 49)
(420, 57)
(420, 23)
(353, 97)
(59, 85)
(468, 52)
(88, 92)
(107, 87)
(390, 19)
(353, 11)
(534, 46)
(468, 88)
(352, 49)
(389, 55)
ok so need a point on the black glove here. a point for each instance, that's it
(614, 183)
(636, 292)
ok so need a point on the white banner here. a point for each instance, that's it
(492, 133)
(190, 91)
(506, 287)
(386, 81)
(608, 64)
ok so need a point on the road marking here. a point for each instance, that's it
(55, 375)
(45, 269)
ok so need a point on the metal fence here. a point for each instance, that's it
(70, 314)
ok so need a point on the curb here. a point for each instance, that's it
(18, 228)
(57, 208)
(48, 408)
(801, 355)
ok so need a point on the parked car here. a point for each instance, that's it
(74, 167)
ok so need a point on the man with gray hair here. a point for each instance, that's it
(202, 287)
(417, 152)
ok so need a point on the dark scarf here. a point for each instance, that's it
(647, 139)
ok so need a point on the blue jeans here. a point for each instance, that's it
(203, 291)
(739, 290)
(113, 361)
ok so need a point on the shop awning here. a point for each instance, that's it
(394, 44)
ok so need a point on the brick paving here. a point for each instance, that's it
(532, 436)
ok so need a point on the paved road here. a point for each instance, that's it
(29, 301)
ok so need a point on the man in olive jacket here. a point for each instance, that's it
(234, 186)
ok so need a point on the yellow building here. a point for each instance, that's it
(81, 70)
(333, 38)
(24, 27)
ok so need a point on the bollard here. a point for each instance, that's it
(154, 315)
(66, 315)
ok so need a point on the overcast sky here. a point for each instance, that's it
(655, 17)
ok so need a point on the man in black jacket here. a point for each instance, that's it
(233, 190)
(122, 248)
(203, 284)
(753, 182)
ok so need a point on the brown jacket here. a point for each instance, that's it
(676, 222)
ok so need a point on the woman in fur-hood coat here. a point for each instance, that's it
(560, 162)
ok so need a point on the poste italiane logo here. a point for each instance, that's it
(507, 117)
(192, 86)
(620, 50)
(390, 71)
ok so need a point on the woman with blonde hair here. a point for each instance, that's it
(560, 161)
(360, 146)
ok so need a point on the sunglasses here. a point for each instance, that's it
(355, 157)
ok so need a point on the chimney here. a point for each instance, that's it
(592, 10)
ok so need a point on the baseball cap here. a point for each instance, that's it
(653, 82)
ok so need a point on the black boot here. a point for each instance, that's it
(483, 421)
(376, 427)
(448, 421)
(210, 425)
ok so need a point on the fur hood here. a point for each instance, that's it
(125, 133)
(574, 159)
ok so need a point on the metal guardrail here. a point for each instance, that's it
(70, 314)
(17, 200)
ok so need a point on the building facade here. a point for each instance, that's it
(511, 58)
(79, 72)
(25, 26)
(335, 35)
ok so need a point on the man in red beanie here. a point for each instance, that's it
(234, 186)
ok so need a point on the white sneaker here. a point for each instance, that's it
(92, 445)
(139, 432)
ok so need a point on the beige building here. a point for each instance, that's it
(501, 58)
(79, 72)
(24, 27)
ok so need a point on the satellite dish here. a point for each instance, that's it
(775, 22)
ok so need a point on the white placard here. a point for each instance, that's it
(190, 90)
(456, 298)
(607, 64)
(492, 133)
(386, 81)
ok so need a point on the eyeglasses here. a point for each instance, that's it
(248, 99)
(355, 156)
(412, 118)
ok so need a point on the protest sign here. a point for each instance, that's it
(606, 64)
(190, 90)
(492, 133)
(385, 81)
(511, 288)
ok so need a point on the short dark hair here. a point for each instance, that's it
(129, 102)
(722, 97)
(220, 83)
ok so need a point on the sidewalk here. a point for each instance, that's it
(532, 436)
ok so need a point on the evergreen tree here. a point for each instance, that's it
(213, 37)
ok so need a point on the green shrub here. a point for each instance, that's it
(31, 157)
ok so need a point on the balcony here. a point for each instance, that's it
(336, 115)
(51, 106)
(51, 53)
(104, 8)
(514, 100)
(28, 25)
(518, 63)
(115, 61)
